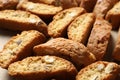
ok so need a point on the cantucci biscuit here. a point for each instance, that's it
(21, 20)
(20, 46)
(113, 16)
(8, 4)
(80, 28)
(101, 70)
(99, 38)
(88, 4)
(102, 7)
(68, 49)
(44, 11)
(58, 27)
(62, 3)
(43, 68)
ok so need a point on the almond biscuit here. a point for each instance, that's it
(44, 11)
(101, 70)
(103, 6)
(8, 4)
(21, 20)
(75, 52)
(80, 28)
(99, 38)
(43, 68)
(20, 46)
(113, 16)
(62, 3)
(58, 27)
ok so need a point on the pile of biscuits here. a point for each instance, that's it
(60, 39)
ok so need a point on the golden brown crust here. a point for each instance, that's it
(116, 52)
(68, 49)
(42, 68)
(40, 9)
(58, 27)
(8, 4)
(113, 16)
(21, 20)
(99, 38)
(88, 5)
(62, 3)
(103, 6)
(19, 47)
(100, 70)
(80, 28)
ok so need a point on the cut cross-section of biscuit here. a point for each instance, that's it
(68, 49)
(80, 28)
(113, 16)
(58, 27)
(43, 68)
(116, 52)
(99, 38)
(40, 9)
(21, 20)
(100, 70)
(20, 46)
(62, 3)
(102, 7)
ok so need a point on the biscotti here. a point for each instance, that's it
(99, 38)
(8, 4)
(102, 7)
(62, 3)
(88, 4)
(80, 28)
(58, 27)
(101, 70)
(20, 46)
(116, 51)
(42, 10)
(113, 16)
(43, 68)
(21, 20)
(68, 49)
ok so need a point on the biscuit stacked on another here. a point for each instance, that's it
(75, 52)
(58, 27)
(43, 68)
(20, 47)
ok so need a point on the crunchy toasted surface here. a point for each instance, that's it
(58, 27)
(42, 67)
(99, 38)
(39, 8)
(8, 4)
(100, 70)
(68, 49)
(80, 28)
(20, 46)
(113, 16)
(103, 6)
(21, 20)
(62, 3)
